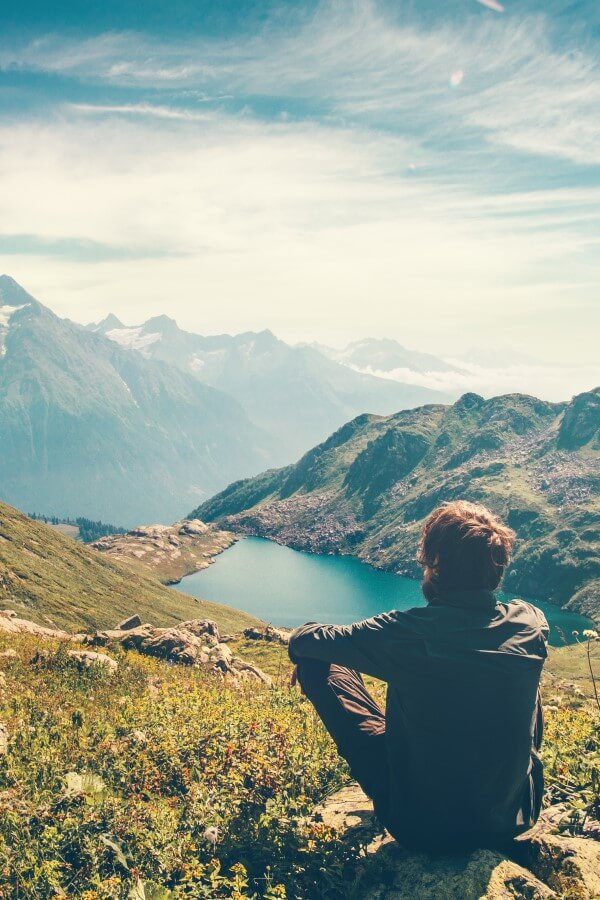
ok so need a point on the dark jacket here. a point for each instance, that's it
(463, 717)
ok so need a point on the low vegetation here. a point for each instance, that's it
(158, 781)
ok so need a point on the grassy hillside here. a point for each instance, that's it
(367, 489)
(50, 578)
(158, 781)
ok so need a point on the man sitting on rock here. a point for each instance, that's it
(453, 761)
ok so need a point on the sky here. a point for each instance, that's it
(329, 170)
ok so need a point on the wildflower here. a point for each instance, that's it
(590, 634)
(211, 835)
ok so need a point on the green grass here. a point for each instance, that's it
(571, 664)
(46, 577)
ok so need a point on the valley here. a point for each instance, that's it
(366, 490)
(139, 424)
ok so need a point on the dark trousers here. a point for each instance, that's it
(355, 722)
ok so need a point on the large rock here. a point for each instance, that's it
(543, 865)
(11, 623)
(193, 643)
(86, 659)
(267, 633)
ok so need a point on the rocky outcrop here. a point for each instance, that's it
(197, 642)
(167, 552)
(269, 634)
(194, 643)
(11, 623)
(543, 865)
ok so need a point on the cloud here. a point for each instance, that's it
(554, 383)
(492, 4)
(138, 109)
(357, 60)
(73, 248)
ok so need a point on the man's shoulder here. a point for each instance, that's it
(527, 613)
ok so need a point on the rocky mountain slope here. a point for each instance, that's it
(297, 394)
(366, 490)
(88, 428)
(166, 552)
(55, 581)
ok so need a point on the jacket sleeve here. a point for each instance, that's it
(364, 646)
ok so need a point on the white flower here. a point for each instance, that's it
(211, 835)
(590, 634)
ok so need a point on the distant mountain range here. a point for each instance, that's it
(89, 428)
(386, 355)
(297, 394)
(139, 424)
(366, 490)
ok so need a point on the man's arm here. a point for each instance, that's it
(364, 646)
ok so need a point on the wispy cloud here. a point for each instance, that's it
(555, 383)
(515, 86)
(139, 109)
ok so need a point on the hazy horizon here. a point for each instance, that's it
(329, 171)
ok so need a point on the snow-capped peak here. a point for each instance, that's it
(134, 338)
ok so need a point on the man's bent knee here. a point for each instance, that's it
(312, 675)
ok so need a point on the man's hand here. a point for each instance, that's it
(294, 678)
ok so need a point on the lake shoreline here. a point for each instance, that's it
(286, 587)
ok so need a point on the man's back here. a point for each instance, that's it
(462, 712)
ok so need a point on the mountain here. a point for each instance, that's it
(366, 490)
(297, 394)
(387, 355)
(89, 428)
(53, 580)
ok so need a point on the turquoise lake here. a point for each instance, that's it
(287, 587)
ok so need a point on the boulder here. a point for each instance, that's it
(14, 625)
(88, 658)
(127, 624)
(194, 526)
(542, 866)
(193, 643)
(267, 633)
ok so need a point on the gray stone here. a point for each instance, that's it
(89, 658)
(132, 622)
(543, 865)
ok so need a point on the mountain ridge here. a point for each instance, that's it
(295, 393)
(367, 489)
